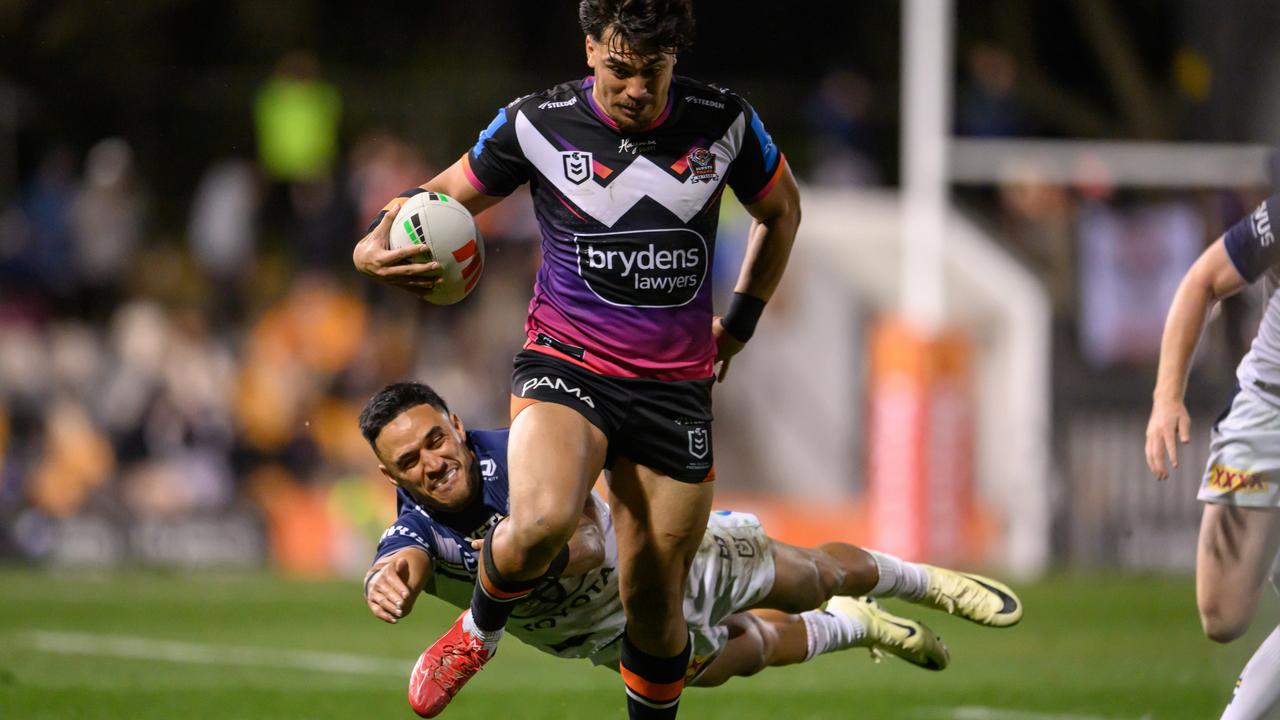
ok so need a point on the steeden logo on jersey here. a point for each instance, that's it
(1262, 225)
(556, 104)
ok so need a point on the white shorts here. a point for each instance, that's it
(732, 571)
(1244, 456)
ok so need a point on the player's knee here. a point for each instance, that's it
(828, 579)
(812, 584)
(764, 641)
(1223, 622)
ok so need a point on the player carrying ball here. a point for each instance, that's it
(452, 487)
(627, 168)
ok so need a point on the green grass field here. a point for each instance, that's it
(134, 646)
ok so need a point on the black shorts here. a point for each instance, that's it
(662, 425)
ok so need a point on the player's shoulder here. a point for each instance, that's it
(490, 442)
(413, 526)
(709, 96)
(490, 447)
(557, 97)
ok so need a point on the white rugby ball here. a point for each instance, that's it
(448, 235)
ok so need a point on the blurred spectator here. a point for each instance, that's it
(107, 223)
(841, 138)
(1037, 219)
(222, 229)
(36, 249)
(1130, 264)
(382, 166)
(987, 105)
(296, 115)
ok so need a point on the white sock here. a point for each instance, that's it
(490, 638)
(828, 632)
(1258, 690)
(898, 578)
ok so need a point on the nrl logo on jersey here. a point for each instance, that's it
(703, 164)
(1262, 225)
(627, 145)
(577, 166)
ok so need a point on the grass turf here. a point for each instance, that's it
(1089, 647)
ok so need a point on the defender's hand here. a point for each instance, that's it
(374, 257)
(388, 595)
(1169, 424)
(726, 346)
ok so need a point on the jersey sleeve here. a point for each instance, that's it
(409, 530)
(1251, 244)
(495, 165)
(759, 162)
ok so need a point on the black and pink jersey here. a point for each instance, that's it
(628, 220)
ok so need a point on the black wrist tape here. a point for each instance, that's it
(744, 313)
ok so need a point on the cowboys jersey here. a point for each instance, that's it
(1251, 245)
(571, 617)
(628, 219)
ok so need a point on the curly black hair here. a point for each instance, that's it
(646, 27)
(392, 400)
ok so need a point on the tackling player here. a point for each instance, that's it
(452, 487)
(626, 169)
(1239, 532)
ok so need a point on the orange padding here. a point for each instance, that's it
(518, 404)
(658, 692)
(497, 594)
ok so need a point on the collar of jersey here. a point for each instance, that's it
(603, 117)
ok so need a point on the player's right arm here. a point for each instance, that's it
(374, 256)
(1233, 261)
(394, 582)
(490, 171)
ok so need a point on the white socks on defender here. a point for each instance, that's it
(490, 638)
(1258, 690)
(898, 578)
(830, 631)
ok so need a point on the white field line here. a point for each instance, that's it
(139, 648)
(978, 712)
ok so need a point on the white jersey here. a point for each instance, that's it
(582, 617)
(1254, 252)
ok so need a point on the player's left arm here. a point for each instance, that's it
(775, 217)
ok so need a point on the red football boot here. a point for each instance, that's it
(444, 668)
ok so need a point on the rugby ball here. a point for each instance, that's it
(447, 234)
